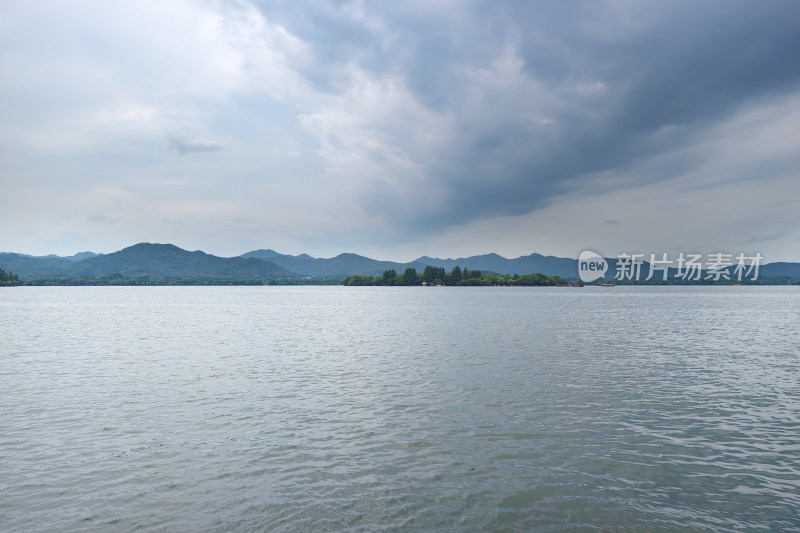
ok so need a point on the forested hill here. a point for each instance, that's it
(167, 261)
(150, 260)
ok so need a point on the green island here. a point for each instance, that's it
(437, 276)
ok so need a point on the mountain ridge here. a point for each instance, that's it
(146, 259)
(526, 264)
(342, 265)
(169, 261)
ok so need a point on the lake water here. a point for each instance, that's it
(399, 409)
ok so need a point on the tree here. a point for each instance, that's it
(410, 276)
(455, 276)
(8, 279)
(390, 277)
(432, 274)
(429, 275)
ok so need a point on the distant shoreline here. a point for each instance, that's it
(57, 282)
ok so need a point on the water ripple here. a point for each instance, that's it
(368, 409)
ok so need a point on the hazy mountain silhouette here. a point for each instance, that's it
(170, 261)
(145, 259)
(336, 267)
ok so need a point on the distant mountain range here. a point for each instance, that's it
(145, 259)
(336, 267)
(169, 261)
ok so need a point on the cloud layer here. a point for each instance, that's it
(421, 127)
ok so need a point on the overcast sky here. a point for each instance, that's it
(397, 129)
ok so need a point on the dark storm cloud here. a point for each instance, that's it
(421, 126)
(616, 82)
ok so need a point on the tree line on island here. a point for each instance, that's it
(7, 279)
(439, 276)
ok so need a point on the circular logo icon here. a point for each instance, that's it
(591, 266)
